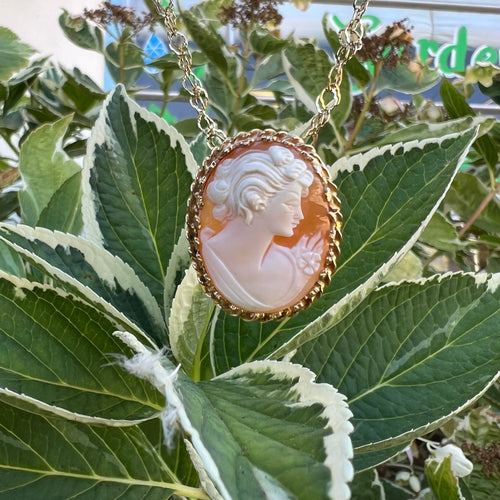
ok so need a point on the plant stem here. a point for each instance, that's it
(479, 210)
(189, 492)
(366, 107)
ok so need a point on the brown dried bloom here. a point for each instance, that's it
(246, 14)
(488, 457)
(392, 47)
(109, 13)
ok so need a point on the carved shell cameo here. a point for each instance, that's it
(264, 225)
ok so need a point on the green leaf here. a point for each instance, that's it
(9, 203)
(82, 90)
(268, 68)
(222, 98)
(368, 485)
(367, 459)
(402, 79)
(189, 321)
(49, 457)
(264, 42)
(137, 178)
(10, 262)
(443, 483)
(81, 32)
(408, 268)
(78, 266)
(175, 456)
(466, 194)
(454, 101)
(493, 91)
(441, 234)
(59, 350)
(19, 84)
(262, 428)
(51, 193)
(199, 148)
(456, 106)
(411, 355)
(307, 68)
(125, 62)
(429, 130)
(388, 195)
(207, 40)
(14, 54)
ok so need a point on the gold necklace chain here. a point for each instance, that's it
(198, 95)
(350, 39)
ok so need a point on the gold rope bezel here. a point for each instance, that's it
(196, 202)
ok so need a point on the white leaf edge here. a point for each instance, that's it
(106, 265)
(179, 259)
(345, 305)
(41, 406)
(205, 480)
(88, 296)
(484, 124)
(99, 137)
(181, 324)
(338, 447)
(21, 284)
(180, 312)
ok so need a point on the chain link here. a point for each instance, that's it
(198, 95)
(350, 39)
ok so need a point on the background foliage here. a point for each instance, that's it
(408, 330)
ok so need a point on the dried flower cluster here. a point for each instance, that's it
(394, 46)
(247, 14)
(488, 457)
(115, 14)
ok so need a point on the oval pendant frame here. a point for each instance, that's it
(233, 147)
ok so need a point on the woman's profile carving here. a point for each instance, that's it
(257, 197)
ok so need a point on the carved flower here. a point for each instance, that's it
(309, 262)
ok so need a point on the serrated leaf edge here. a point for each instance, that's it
(104, 265)
(70, 415)
(178, 259)
(338, 445)
(98, 137)
(112, 314)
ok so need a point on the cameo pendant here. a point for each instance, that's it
(264, 225)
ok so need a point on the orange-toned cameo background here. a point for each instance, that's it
(315, 208)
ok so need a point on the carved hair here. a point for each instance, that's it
(244, 185)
